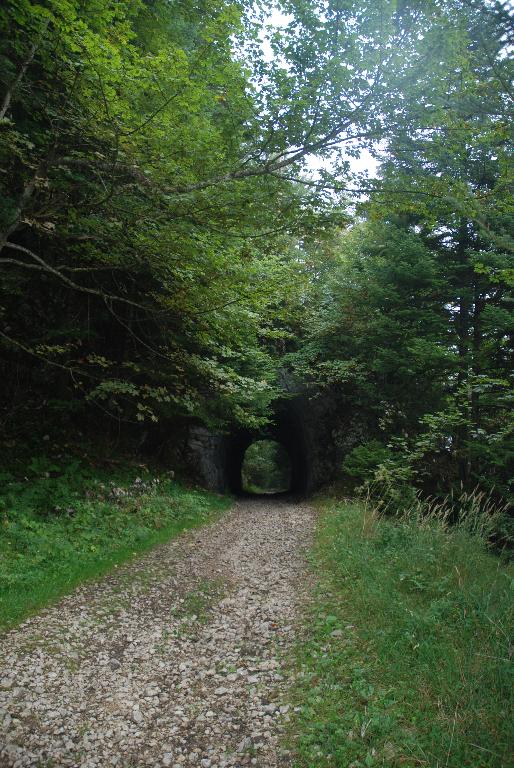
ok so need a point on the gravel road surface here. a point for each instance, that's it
(172, 660)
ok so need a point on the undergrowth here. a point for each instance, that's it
(67, 521)
(406, 658)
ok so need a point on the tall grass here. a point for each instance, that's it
(476, 511)
(407, 656)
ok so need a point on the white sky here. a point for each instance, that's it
(363, 164)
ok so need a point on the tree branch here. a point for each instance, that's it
(44, 266)
(17, 80)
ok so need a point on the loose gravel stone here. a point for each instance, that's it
(172, 660)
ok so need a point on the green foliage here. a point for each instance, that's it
(392, 485)
(411, 326)
(266, 467)
(66, 522)
(405, 656)
(362, 462)
(166, 248)
(48, 487)
(150, 204)
(149, 291)
(376, 335)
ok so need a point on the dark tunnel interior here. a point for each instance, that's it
(285, 429)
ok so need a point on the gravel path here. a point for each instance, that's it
(172, 661)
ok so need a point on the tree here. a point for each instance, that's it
(416, 323)
(152, 185)
(144, 289)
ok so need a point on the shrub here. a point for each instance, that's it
(362, 462)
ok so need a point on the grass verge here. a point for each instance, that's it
(406, 658)
(62, 525)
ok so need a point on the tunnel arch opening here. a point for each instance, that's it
(266, 468)
(286, 428)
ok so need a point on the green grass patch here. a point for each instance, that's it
(63, 524)
(196, 605)
(406, 658)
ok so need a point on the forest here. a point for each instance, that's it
(202, 200)
(183, 218)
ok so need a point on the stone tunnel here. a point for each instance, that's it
(302, 426)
